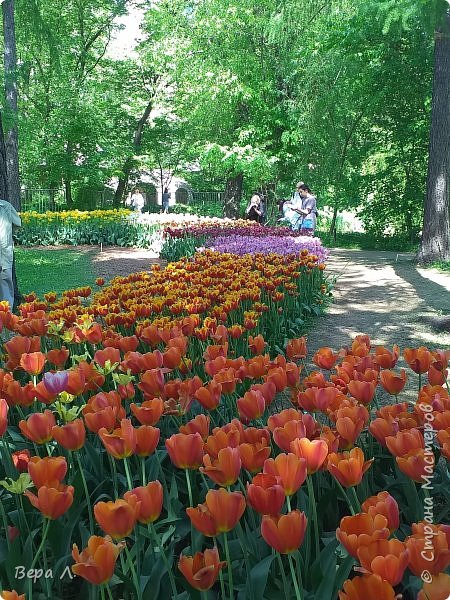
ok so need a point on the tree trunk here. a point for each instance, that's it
(137, 141)
(68, 193)
(123, 182)
(11, 133)
(332, 230)
(436, 225)
(3, 167)
(232, 198)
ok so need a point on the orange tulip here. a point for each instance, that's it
(121, 443)
(437, 376)
(70, 436)
(437, 589)
(283, 417)
(49, 471)
(386, 558)
(185, 451)
(38, 427)
(200, 424)
(210, 395)
(417, 464)
(149, 412)
(369, 587)
(219, 514)
(251, 406)
(419, 359)
(405, 441)
(256, 344)
(96, 563)
(52, 501)
(147, 438)
(278, 377)
(325, 358)
(118, 518)
(58, 356)
(254, 455)
(317, 399)
(172, 358)
(284, 533)
(428, 549)
(152, 383)
(360, 530)
(227, 379)
(20, 459)
(265, 494)
(350, 421)
(385, 358)
(314, 452)
(296, 348)
(202, 569)
(225, 469)
(76, 382)
(149, 500)
(393, 382)
(383, 504)
(33, 363)
(6, 595)
(4, 408)
(290, 470)
(348, 467)
(111, 354)
(383, 428)
(363, 391)
(284, 436)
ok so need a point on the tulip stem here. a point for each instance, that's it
(5, 525)
(127, 472)
(45, 526)
(355, 497)
(108, 591)
(188, 480)
(283, 575)
(346, 498)
(230, 570)
(102, 592)
(114, 473)
(298, 594)
(313, 512)
(133, 573)
(204, 595)
(165, 560)
(86, 491)
(144, 476)
(288, 502)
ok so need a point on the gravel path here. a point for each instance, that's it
(385, 295)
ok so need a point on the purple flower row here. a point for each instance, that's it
(238, 244)
(253, 230)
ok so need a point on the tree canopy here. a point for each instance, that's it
(337, 94)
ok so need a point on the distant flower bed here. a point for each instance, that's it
(118, 227)
(239, 237)
(284, 245)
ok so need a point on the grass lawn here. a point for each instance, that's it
(41, 271)
(442, 266)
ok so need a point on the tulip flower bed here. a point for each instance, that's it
(120, 227)
(241, 239)
(152, 449)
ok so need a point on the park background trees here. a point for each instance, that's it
(259, 93)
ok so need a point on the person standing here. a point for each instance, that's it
(292, 208)
(165, 201)
(9, 220)
(308, 211)
(137, 200)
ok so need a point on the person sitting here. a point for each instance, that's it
(255, 209)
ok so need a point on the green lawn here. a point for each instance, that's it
(41, 270)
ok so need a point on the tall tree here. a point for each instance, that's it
(12, 133)
(436, 223)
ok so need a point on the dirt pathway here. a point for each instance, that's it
(385, 295)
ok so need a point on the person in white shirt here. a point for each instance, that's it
(137, 200)
(9, 219)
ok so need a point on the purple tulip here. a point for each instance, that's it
(55, 383)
